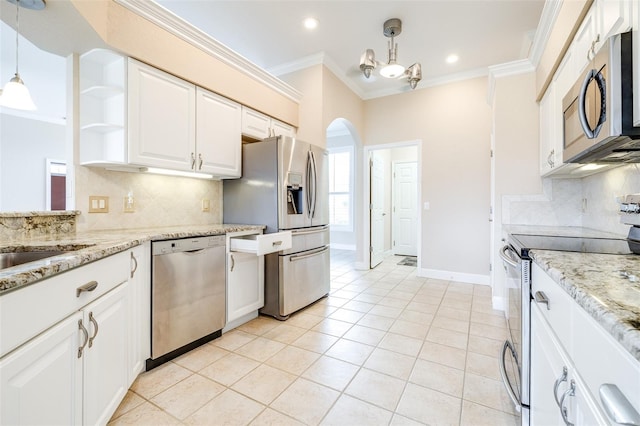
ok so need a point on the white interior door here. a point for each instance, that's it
(405, 208)
(376, 210)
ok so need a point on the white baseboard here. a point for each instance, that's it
(454, 276)
(498, 303)
(351, 247)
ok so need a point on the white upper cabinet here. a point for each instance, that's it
(259, 126)
(604, 19)
(133, 115)
(218, 139)
(161, 118)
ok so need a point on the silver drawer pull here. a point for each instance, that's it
(86, 338)
(90, 286)
(135, 265)
(617, 406)
(95, 325)
(276, 243)
(542, 298)
(556, 385)
(563, 410)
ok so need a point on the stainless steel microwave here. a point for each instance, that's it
(598, 109)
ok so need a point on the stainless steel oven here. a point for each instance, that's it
(516, 351)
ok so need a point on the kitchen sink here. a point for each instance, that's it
(7, 260)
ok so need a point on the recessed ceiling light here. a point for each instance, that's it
(452, 59)
(310, 23)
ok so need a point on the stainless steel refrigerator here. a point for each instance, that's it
(285, 185)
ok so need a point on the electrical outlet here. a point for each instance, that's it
(206, 205)
(129, 204)
(98, 204)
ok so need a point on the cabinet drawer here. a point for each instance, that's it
(261, 244)
(26, 312)
(558, 312)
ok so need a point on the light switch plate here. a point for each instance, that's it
(206, 205)
(98, 204)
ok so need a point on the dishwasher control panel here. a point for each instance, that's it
(186, 244)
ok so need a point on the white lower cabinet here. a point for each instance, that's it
(245, 284)
(41, 382)
(78, 368)
(74, 373)
(564, 337)
(104, 356)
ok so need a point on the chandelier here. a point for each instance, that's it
(391, 68)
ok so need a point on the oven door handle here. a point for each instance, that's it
(505, 258)
(505, 377)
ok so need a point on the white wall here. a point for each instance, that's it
(453, 121)
(25, 144)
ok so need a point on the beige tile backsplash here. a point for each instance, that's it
(159, 200)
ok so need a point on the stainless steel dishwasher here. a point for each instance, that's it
(188, 297)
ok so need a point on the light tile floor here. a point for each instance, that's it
(385, 348)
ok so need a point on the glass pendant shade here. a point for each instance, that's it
(392, 70)
(16, 95)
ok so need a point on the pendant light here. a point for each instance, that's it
(15, 94)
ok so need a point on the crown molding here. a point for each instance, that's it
(182, 29)
(550, 13)
(508, 69)
(320, 58)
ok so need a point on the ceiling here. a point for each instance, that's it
(271, 35)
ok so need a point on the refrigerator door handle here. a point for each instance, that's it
(308, 231)
(314, 171)
(309, 177)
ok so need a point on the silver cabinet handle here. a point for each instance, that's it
(135, 264)
(556, 385)
(86, 337)
(505, 378)
(617, 406)
(305, 256)
(276, 243)
(200, 161)
(542, 298)
(312, 231)
(505, 258)
(95, 325)
(550, 158)
(563, 410)
(233, 263)
(193, 161)
(90, 286)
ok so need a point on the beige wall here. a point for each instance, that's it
(453, 121)
(309, 82)
(516, 155)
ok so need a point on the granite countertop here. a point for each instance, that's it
(607, 286)
(87, 247)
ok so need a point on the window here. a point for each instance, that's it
(341, 189)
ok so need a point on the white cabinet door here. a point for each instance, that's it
(614, 17)
(218, 135)
(281, 129)
(547, 130)
(161, 118)
(255, 124)
(139, 310)
(583, 41)
(105, 355)
(245, 284)
(547, 365)
(41, 382)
